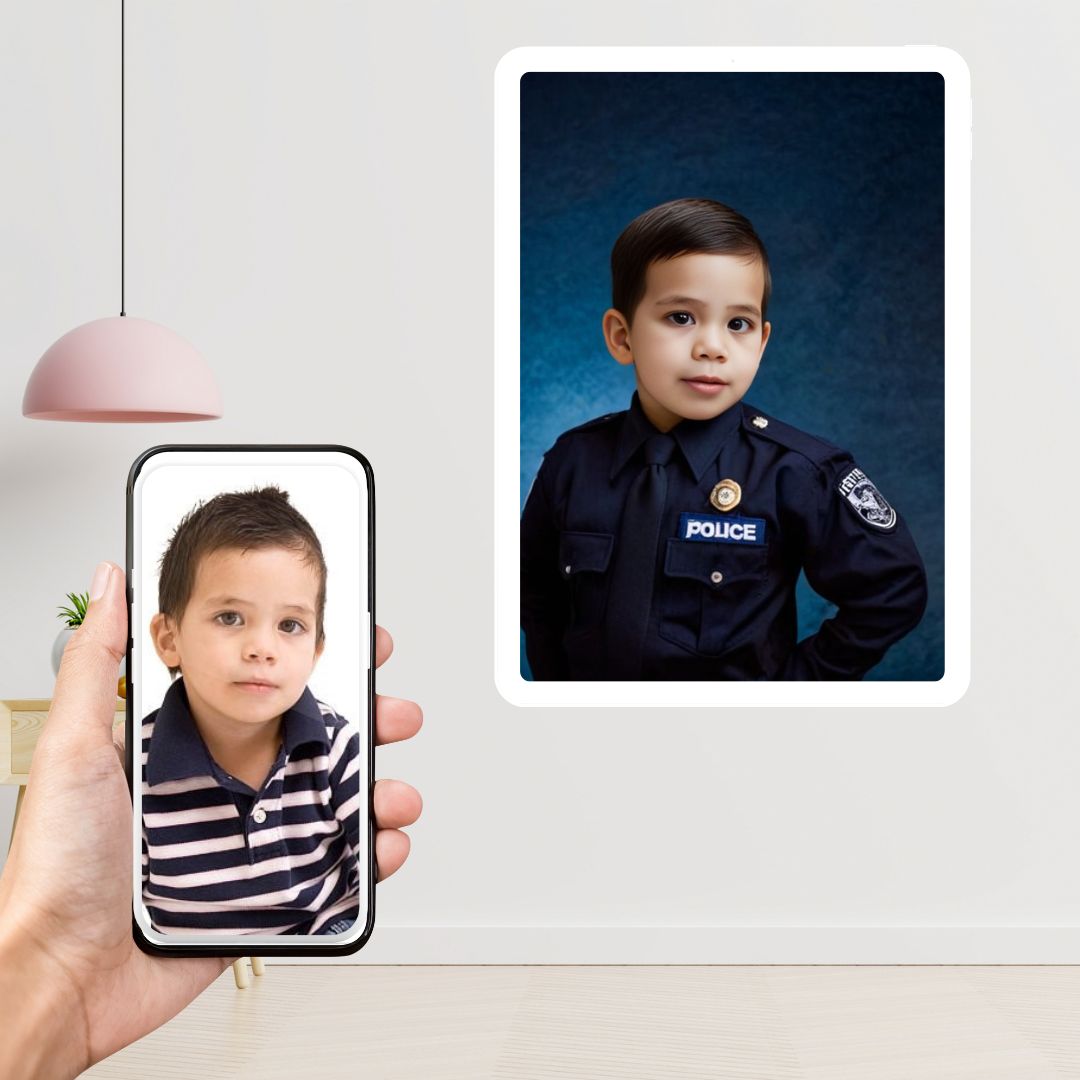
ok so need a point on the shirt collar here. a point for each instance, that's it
(177, 750)
(699, 440)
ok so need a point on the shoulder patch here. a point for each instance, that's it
(866, 500)
(762, 426)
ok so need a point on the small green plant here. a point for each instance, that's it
(77, 612)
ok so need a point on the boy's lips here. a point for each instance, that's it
(256, 686)
(706, 384)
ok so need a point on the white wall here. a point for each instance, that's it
(309, 202)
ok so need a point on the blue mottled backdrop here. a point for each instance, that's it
(842, 176)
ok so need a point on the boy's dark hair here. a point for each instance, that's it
(245, 520)
(680, 227)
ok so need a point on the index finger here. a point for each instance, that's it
(395, 718)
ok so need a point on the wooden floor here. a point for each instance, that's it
(531, 1023)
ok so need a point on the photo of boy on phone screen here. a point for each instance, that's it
(251, 786)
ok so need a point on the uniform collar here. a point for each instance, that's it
(177, 751)
(699, 440)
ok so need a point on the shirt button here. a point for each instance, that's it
(567, 568)
(716, 577)
(258, 815)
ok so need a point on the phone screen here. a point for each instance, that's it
(249, 698)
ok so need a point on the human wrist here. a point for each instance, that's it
(44, 1023)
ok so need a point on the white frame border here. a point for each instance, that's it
(507, 374)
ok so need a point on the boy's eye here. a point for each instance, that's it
(228, 618)
(292, 626)
(681, 318)
(749, 325)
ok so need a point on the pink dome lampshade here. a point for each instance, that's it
(122, 370)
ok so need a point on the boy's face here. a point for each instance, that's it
(245, 643)
(696, 337)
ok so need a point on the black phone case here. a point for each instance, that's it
(285, 949)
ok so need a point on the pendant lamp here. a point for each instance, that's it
(121, 369)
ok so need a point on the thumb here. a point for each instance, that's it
(85, 694)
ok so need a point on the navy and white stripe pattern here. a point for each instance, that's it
(221, 858)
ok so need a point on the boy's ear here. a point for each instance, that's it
(318, 652)
(163, 634)
(766, 330)
(617, 336)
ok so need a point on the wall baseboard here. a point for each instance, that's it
(945, 945)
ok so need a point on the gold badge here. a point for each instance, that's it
(726, 495)
(760, 422)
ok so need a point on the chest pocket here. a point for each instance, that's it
(707, 601)
(583, 563)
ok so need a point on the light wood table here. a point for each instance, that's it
(21, 722)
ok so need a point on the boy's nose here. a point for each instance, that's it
(710, 346)
(258, 649)
(707, 352)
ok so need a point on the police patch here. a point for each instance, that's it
(867, 501)
(722, 530)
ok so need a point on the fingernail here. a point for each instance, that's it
(100, 580)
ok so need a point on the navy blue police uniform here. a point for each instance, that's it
(749, 502)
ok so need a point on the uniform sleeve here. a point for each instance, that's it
(545, 600)
(859, 555)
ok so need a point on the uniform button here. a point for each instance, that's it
(258, 815)
(716, 577)
(567, 568)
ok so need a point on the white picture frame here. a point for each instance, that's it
(957, 480)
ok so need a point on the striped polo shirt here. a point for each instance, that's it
(220, 857)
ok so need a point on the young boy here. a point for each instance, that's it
(665, 542)
(251, 787)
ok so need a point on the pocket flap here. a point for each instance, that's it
(714, 565)
(582, 551)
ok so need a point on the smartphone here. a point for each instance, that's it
(250, 699)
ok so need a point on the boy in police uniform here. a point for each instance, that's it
(665, 542)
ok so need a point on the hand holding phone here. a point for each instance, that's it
(67, 955)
